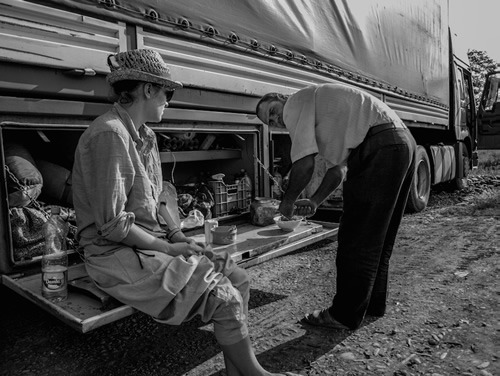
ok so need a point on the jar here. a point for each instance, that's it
(209, 225)
(224, 234)
(263, 210)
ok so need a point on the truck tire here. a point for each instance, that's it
(421, 187)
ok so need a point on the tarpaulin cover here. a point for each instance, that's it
(401, 43)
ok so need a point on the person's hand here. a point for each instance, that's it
(201, 248)
(192, 241)
(305, 207)
(199, 244)
(185, 249)
(180, 237)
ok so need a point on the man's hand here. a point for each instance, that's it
(286, 208)
(300, 175)
(305, 207)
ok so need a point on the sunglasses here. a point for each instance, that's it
(168, 93)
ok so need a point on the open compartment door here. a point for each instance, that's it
(255, 244)
(85, 311)
(80, 310)
(489, 114)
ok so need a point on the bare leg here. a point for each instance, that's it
(231, 369)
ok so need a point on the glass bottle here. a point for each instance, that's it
(277, 183)
(263, 210)
(247, 183)
(55, 258)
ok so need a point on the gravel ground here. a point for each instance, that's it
(443, 316)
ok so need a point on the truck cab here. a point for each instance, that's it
(489, 113)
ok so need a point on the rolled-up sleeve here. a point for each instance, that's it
(109, 178)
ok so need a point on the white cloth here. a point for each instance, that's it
(332, 119)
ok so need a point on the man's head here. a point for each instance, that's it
(270, 109)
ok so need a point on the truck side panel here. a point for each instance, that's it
(358, 42)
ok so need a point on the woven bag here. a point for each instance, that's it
(27, 235)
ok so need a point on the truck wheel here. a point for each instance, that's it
(421, 187)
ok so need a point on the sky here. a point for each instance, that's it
(476, 24)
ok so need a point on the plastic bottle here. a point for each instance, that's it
(247, 183)
(55, 258)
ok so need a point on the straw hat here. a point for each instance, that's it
(141, 65)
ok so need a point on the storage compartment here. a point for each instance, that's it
(194, 161)
(34, 155)
(38, 160)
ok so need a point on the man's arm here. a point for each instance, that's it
(331, 181)
(300, 175)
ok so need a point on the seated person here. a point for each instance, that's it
(128, 253)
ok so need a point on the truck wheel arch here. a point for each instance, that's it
(421, 188)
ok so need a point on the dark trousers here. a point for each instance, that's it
(379, 177)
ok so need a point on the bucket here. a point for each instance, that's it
(224, 235)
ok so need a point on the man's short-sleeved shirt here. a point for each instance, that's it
(332, 119)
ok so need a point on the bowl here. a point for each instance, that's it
(224, 235)
(288, 224)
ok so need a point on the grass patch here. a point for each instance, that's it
(487, 204)
(488, 163)
(482, 197)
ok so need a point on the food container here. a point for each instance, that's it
(288, 225)
(224, 234)
(263, 210)
(210, 224)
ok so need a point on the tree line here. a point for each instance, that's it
(480, 64)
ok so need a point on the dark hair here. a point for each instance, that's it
(271, 97)
(122, 91)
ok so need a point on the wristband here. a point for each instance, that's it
(171, 233)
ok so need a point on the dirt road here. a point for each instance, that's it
(443, 316)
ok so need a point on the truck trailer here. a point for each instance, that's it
(227, 54)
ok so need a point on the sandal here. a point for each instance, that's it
(324, 319)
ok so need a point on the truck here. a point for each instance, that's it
(227, 54)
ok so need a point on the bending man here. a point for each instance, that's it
(354, 132)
